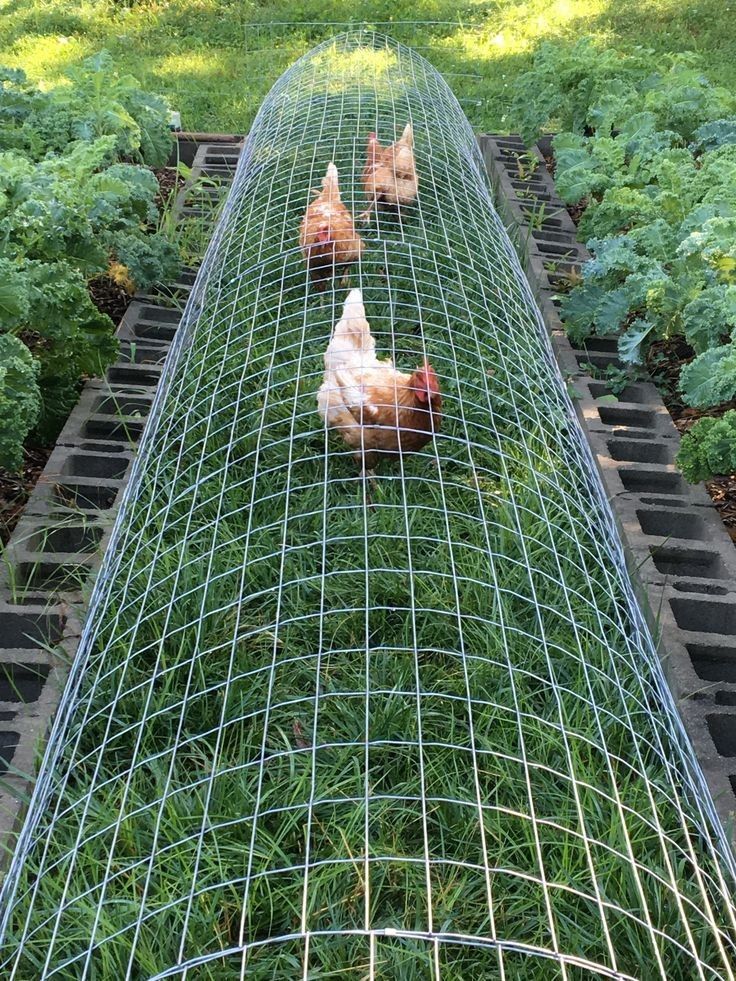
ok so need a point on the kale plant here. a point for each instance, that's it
(73, 206)
(709, 448)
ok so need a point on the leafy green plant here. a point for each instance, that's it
(709, 448)
(71, 210)
(95, 102)
(19, 398)
(590, 88)
(652, 154)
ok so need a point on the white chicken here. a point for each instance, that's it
(376, 408)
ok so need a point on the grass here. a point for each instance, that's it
(425, 708)
(216, 67)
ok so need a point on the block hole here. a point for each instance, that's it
(86, 496)
(652, 481)
(704, 616)
(8, 744)
(67, 538)
(86, 465)
(722, 728)
(688, 562)
(681, 524)
(27, 630)
(635, 451)
(614, 415)
(22, 682)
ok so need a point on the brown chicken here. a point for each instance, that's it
(390, 173)
(327, 234)
(375, 408)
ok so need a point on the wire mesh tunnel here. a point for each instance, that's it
(325, 725)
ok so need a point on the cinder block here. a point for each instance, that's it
(80, 480)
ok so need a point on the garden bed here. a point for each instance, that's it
(111, 299)
(664, 363)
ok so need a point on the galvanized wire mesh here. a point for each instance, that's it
(321, 726)
(458, 48)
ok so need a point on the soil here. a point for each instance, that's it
(109, 297)
(576, 211)
(169, 182)
(15, 488)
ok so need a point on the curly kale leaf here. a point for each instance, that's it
(149, 260)
(683, 98)
(73, 208)
(716, 177)
(719, 132)
(69, 338)
(713, 249)
(710, 316)
(709, 448)
(14, 296)
(631, 341)
(620, 209)
(20, 399)
(585, 167)
(567, 80)
(711, 378)
(108, 103)
(99, 102)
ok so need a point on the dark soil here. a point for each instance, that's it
(723, 494)
(15, 489)
(664, 362)
(576, 210)
(169, 182)
(109, 297)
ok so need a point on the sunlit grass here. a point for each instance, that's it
(215, 67)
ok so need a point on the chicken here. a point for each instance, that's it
(376, 408)
(327, 235)
(390, 174)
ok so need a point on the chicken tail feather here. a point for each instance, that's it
(352, 343)
(330, 186)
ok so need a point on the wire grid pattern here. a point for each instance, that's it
(444, 42)
(320, 726)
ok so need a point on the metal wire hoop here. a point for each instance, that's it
(416, 730)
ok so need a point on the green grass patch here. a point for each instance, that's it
(216, 67)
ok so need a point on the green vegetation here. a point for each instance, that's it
(652, 155)
(215, 66)
(709, 448)
(300, 687)
(75, 203)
